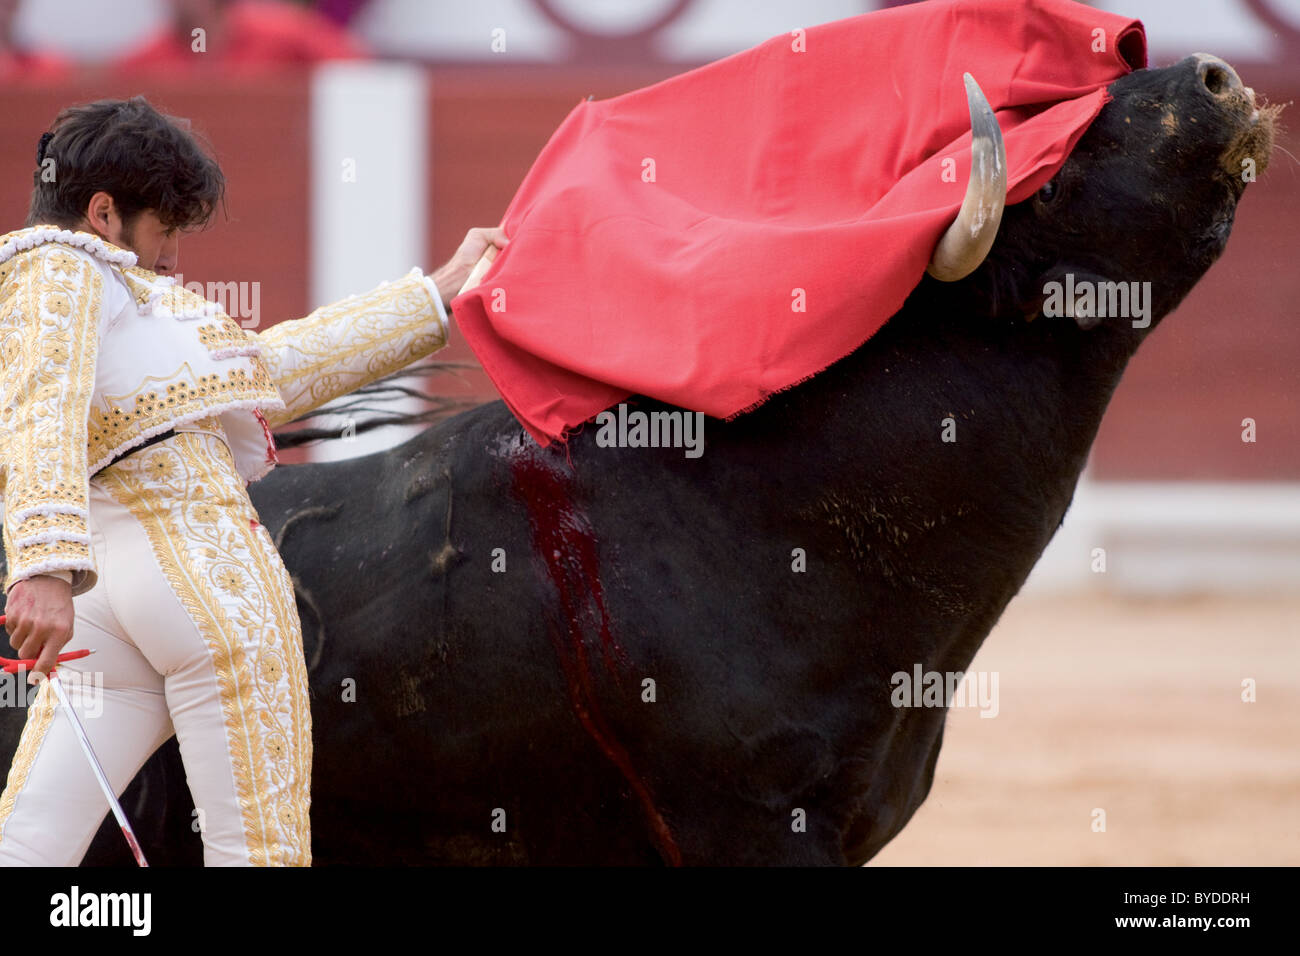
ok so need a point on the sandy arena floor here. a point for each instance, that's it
(1133, 707)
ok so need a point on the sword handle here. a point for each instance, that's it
(13, 665)
(480, 269)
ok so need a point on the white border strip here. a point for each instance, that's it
(369, 193)
(1177, 538)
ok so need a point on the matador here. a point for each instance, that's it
(134, 414)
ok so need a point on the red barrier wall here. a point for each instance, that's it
(260, 134)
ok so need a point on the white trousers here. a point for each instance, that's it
(195, 633)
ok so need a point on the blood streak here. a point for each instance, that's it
(563, 540)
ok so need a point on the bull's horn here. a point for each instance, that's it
(968, 240)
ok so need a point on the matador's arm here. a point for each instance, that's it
(50, 299)
(341, 347)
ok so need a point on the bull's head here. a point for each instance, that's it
(1147, 195)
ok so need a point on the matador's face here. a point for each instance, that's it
(156, 246)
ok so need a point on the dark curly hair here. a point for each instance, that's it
(139, 156)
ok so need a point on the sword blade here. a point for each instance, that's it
(98, 770)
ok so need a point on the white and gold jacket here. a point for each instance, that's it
(98, 355)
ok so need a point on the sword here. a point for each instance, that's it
(480, 268)
(12, 666)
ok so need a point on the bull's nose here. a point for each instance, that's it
(1219, 78)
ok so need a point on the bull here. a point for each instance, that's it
(619, 655)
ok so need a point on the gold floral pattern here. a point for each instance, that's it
(56, 346)
(61, 261)
(57, 303)
(248, 620)
(229, 581)
(39, 716)
(340, 347)
(160, 469)
(49, 309)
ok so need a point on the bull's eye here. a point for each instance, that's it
(1047, 192)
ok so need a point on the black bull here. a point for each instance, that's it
(611, 655)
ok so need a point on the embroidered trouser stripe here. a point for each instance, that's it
(39, 716)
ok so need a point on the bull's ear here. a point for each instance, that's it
(1066, 292)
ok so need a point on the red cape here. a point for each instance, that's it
(807, 172)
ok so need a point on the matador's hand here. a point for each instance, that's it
(452, 276)
(39, 617)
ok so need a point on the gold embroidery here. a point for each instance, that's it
(61, 261)
(229, 580)
(184, 304)
(340, 347)
(235, 588)
(333, 351)
(39, 716)
(221, 333)
(36, 556)
(175, 298)
(49, 310)
(142, 292)
(113, 429)
(56, 494)
(225, 334)
(44, 521)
